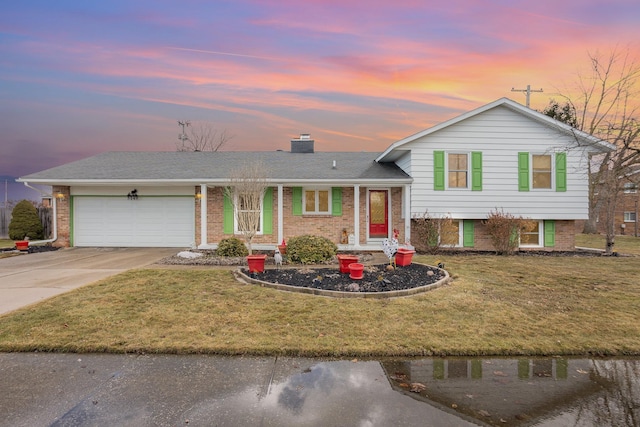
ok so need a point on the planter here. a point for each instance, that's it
(282, 249)
(22, 245)
(345, 260)
(356, 270)
(404, 256)
(256, 263)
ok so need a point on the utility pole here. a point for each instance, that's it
(183, 136)
(527, 91)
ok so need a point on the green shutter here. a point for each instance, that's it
(561, 171)
(297, 201)
(549, 233)
(438, 170)
(523, 171)
(468, 228)
(227, 215)
(267, 212)
(336, 201)
(476, 171)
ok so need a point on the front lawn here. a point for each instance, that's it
(623, 244)
(519, 305)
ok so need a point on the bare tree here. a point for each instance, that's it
(201, 136)
(605, 102)
(246, 190)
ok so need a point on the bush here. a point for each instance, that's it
(310, 249)
(232, 247)
(429, 234)
(25, 222)
(504, 230)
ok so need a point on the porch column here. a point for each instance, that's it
(280, 213)
(203, 215)
(356, 214)
(407, 212)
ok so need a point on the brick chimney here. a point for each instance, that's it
(303, 144)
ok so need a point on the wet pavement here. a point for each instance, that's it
(166, 390)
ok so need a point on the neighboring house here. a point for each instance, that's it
(626, 215)
(500, 156)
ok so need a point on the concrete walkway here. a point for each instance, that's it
(31, 278)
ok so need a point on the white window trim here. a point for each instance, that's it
(446, 170)
(236, 230)
(460, 235)
(627, 216)
(553, 171)
(630, 188)
(316, 189)
(540, 237)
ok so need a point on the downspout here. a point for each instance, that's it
(55, 216)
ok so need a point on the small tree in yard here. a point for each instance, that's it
(504, 230)
(25, 222)
(605, 104)
(246, 190)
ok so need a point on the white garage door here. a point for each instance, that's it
(145, 222)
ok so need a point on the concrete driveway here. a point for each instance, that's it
(29, 279)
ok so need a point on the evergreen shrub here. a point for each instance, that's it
(25, 222)
(309, 249)
(232, 247)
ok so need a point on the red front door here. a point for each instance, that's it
(378, 214)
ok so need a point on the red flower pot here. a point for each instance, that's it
(404, 256)
(22, 245)
(282, 249)
(256, 263)
(356, 270)
(345, 260)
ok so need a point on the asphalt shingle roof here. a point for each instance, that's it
(218, 166)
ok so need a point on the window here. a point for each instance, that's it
(531, 237)
(630, 188)
(629, 217)
(317, 201)
(541, 170)
(246, 213)
(450, 233)
(458, 170)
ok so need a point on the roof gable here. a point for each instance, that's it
(395, 150)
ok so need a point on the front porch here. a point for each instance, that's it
(360, 216)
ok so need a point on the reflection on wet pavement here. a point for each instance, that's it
(163, 390)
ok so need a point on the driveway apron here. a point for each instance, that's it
(32, 278)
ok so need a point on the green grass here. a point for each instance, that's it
(6, 243)
(623, 244)
(520, 305)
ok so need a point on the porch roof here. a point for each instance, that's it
(177, 168)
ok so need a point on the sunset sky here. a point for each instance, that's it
(81, 77)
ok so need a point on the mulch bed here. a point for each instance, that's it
(33, 249)
(376, 278)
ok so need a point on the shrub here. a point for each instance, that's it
(504, 230)
(232, 247)
(25, 222)
(310, 249)
(429, 234)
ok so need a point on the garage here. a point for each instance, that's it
(144, 222)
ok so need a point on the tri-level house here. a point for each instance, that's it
(501, 156)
